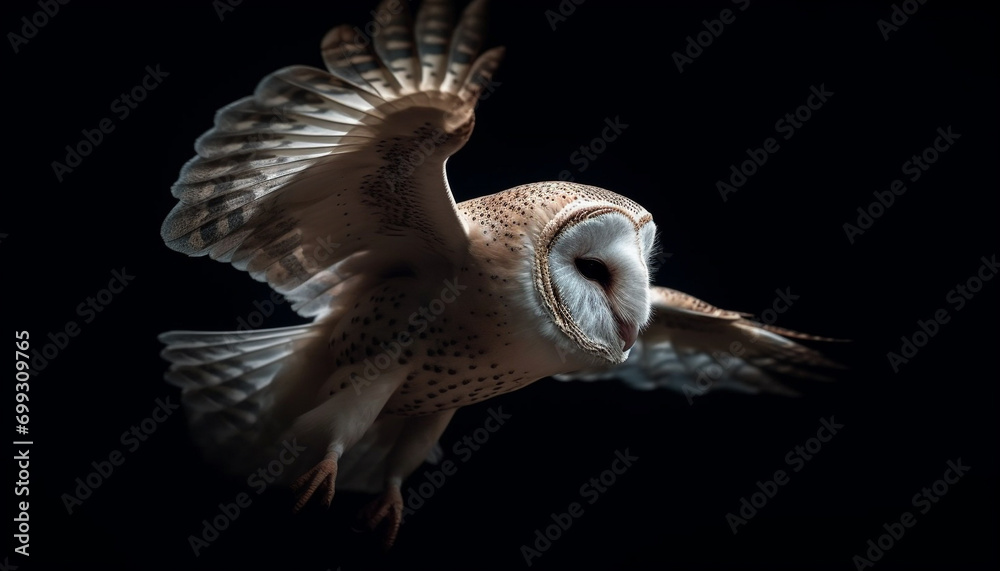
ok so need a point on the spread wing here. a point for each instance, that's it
(692, 347)
(324, 180)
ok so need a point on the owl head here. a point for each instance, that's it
(591, 270)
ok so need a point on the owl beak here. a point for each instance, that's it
(629, 332)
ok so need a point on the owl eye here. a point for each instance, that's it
(594, 270)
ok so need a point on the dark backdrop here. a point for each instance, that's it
(783, 229)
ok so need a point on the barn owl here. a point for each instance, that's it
(331, 187)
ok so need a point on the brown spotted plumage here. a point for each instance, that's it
(329, 185)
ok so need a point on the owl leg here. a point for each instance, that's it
(334, 426)
(416, 439)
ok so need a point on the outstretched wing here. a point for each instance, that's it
(692, 346)
(324, 180)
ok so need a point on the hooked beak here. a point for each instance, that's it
(628, 332)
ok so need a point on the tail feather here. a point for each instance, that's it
(225, 392)
(227, 381)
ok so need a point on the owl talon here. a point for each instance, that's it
(322, 475)
(386, 510)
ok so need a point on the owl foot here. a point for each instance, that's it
(322, 475)
(387, 511)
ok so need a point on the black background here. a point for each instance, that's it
(782, 229)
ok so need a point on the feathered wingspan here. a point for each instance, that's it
(324, 180)
(323, 183)
(693, 346)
